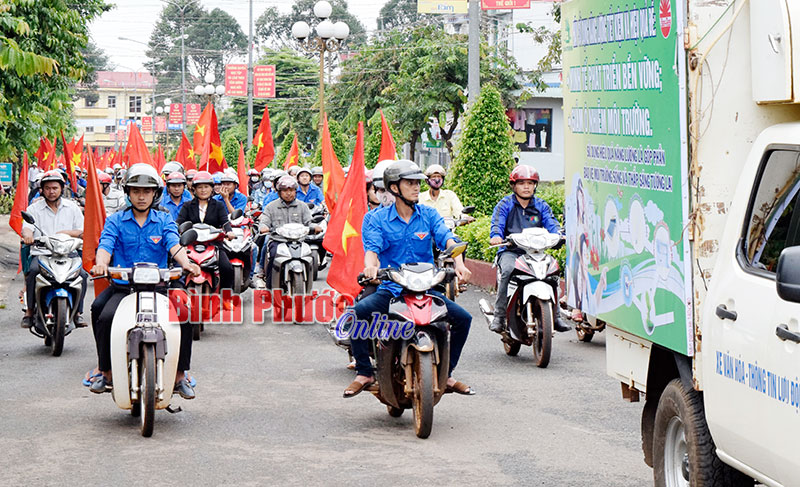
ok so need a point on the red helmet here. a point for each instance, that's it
(104, 178)
(190, 174)
(203, 177)
(176, 178)
(523, 172)
(52, 175)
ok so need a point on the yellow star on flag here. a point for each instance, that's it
(347, 232)
(191, 152)
(260, 141)
(45, 155)
(216, 153)
(76, 159)
(201, 129)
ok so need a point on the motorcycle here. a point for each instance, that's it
(240, 248)
(292, 269)
(58, 287)
(586, 327)
(453, 288)
(145, 341)
(412, 372)
(531, 304)
(203, 252)
(319, 255)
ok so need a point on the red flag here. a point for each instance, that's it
(293, 155)
(210, 147)
(117, 159)
(343, 237)
(263, 142)
(160, 160)
(186, 154)
(387, 142)
(241, 169)
(72, 158)
(21, 198)
(46, 155)
(94, 218)
(136, 150)
(331, 169)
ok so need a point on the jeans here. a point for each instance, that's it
(30, 285)
(460, 321)
(505, 264)
(103, 309)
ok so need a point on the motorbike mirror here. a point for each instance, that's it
(28, 217)
(310, 206)
(456, 250)
(317, 219)
(468, 209)
(237, 214)
(189, 237)
(184, 226)
(250, 199)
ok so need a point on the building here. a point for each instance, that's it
(121, 97)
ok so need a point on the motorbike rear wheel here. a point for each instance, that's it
(59, 327)
(423, 394)
(543, 341)
(583, 334)
(512, 349)
(147, 392)
(451, 289)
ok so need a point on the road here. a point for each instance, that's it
(269, 411)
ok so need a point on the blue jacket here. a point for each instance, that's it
(314, 194)
(510, 217)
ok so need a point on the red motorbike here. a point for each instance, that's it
(204, 253)
(240, 248)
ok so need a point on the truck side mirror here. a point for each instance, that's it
(787, 276)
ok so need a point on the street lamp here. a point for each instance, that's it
(330, 38)
(164, 110)
(209, 90)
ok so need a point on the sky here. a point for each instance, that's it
(135, 19)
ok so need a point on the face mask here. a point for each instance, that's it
(268, 185)
(254, 179)
(435, 183)
(386, 198)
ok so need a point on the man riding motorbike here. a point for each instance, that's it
(307, 192)
(273, 194)
(189, 178)
(113, 199)
(372, 199)
(53, 214)
(512, 214)
(444, 201)
(229, 192)
(287, 209)
(399, 234)
(176, 194)
(317, 176)
(260, 190)
(138, 234)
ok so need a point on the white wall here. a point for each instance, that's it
(549, 164)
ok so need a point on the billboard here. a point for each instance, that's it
(264, 81)
(236, 79)
(504, 4)
(175, 113)
(626, 176)
(192, 113)
(442, 6)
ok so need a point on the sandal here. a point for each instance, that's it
(92, 377)
(355, 388)
(460, 388)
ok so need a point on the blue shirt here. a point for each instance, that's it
(173, 208)
(313, 195)
(397, 242)
(129, 243)
(510, 217)
(269, 198)
(238, 200)
(165, 194)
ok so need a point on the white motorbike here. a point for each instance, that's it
(145, 341)
(292, 269)
(58, 287)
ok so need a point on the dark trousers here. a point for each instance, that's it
(268, 255)
(225, 269)
(103, 309)
(460, 321)
(505, 265)
(30, 286)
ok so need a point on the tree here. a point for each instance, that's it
(340, 144)
(485, 154)
(275, 29)
(401, 13)
(543, 35)
(96, 60)
(286, 146)
(38, 42)
(230, 145)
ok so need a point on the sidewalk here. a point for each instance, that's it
(9, 260)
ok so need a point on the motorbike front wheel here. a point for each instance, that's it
(238, 281)
(315, 265)
(296, 284)
(147, 392)
(423, 394)
(543, 341)
(59, 326)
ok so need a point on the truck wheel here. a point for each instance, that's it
(683, 450)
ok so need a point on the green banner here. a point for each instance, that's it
(626, 167)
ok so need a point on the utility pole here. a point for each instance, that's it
(250, 80)
(183, 82)
(473, 56)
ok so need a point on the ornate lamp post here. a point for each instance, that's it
(164, 110)
(330, 38)
(209, 90)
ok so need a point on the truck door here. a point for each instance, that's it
(751, 377)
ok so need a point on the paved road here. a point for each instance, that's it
(269, 411)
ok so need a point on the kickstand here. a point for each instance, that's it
(173, 411)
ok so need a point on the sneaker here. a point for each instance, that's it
(498, 324)
(560, 325)
(183, 388)
(101, 385)
(80, 321)
(27, 322)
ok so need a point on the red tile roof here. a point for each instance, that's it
(117, 79)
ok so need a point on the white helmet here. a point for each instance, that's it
(230, 176)
(171, 167)
(142, 175)
(435, 169)
(377, 173)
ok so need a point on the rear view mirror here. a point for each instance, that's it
(310, 206)
(317, 218)
(189, 237)
(237, 214)
(28, 217)
(184, 226)
(787, 276)
(456, 250)
(468, 209)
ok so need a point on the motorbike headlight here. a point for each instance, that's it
(419, 282)
(45, 271)
(61, 247)
(146, 275)
(74, 272)
(292, 231)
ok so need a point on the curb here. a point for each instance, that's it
(483, 274)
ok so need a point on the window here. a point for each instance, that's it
(110, 129)
(533, 128)
(135, 104)
(88, 130)
(773, 222)
(112, 101)
(91, 102)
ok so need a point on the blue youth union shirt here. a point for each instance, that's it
(397, 242)
(269, 198)
(129, 243)
(175, 209)
(238, 200)
(314, 194)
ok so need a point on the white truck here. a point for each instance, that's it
(682, 127)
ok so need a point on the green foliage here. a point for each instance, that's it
(552, 39)
(275, 29)
(6, 203)
(230, 148)
(286, 146)
(38, 45)
(402, 13)
(340, 144)
(485, 154)
(372, 144)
